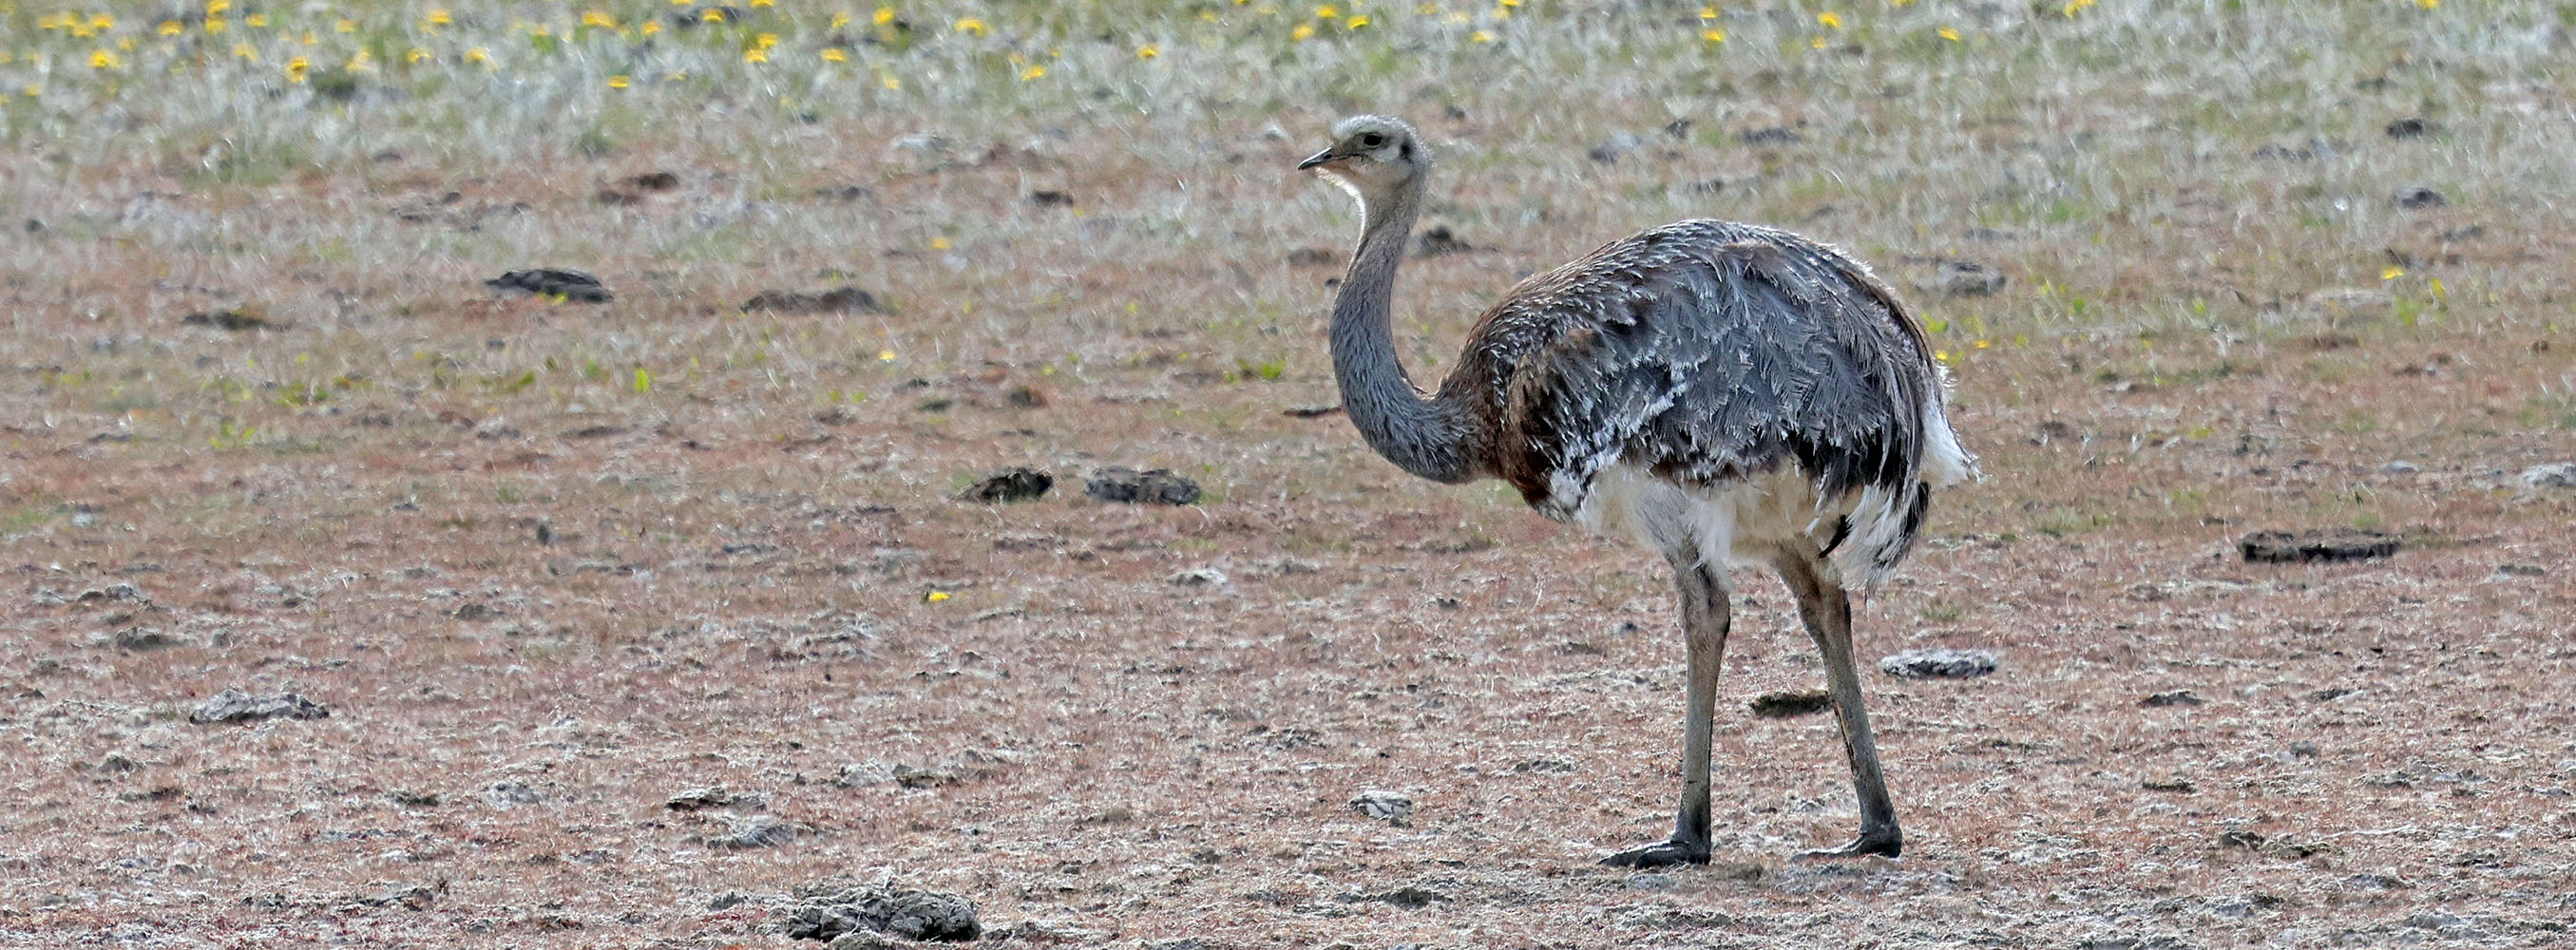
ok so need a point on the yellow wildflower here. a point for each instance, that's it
(1355, 22)
(619, 81)
(1950, 33)
(839, 20)
(650, 27)
(439, 18)
(103, 59)
(935, 596)
(600, 19)
(171, 28)
(885, 356)
(1148, 51)
(255, 21)
(213, 25)
(1713, 35)
(755, 55)
(766, 40)
(1303, 32)
(1033, 72)
(478, 55)
(416, 55)
(245, 52)
(884, 15)
(296, 69)
(102, 22)
(2392, 273)
(1480, 36)
(1327, 12)
(345, 26)
(1830, 20)
(711, 15)
(218, 7)
(973, 26)
(836, 54)
(890, 82)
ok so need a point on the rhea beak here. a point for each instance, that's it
(1318, 160)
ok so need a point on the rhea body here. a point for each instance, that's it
(1730, 395)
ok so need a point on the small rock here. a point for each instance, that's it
(1112, 815)
(2408, 128)
(234, 319)
(551, 282)
(233, 705)
(2340, 544)
(698, 799)
(2417, 196)
(1011, 484)
(1152, 486)
(1774, 135)
(1409, 897)
(836, 300)
(1391, 807)
(2509, 571)
(116, 762)
(1313, 257)
(2401, 467)
(1050, 199)
(1786, 703)
(1200, 577)
(2303, 749)
(759, 831)
(2357, 303)
(1310, 412)
(828, 909)
(863, 940)
(1437, 240)
(1967, 279)
(510, 794)
(730, 899)
(2552, 475)
(1940, 663)
(142, 639)
(2177, 697)
(2178, 783)
(474, 611)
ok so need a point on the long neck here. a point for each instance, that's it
(1429, 437)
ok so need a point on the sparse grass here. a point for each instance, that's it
(2215, 320)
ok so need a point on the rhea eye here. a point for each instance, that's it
(1371, 140)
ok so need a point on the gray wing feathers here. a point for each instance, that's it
(1707, 352)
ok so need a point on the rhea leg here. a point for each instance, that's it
(1827, 612)
(1704, 623)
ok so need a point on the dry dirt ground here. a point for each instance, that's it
(549, 564)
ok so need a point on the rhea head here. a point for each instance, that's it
(1371, 156)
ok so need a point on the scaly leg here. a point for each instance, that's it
(1827, 612)
(1704, 622)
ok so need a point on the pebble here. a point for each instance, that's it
(1939, 663)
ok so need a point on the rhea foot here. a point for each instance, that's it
(1885, 842)
(1660, 854)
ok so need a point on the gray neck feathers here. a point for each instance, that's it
(1425, 437)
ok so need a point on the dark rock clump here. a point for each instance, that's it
(2285, 547)
(550, 282)
(827, 909)
(1156, 486)
(233, 705)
